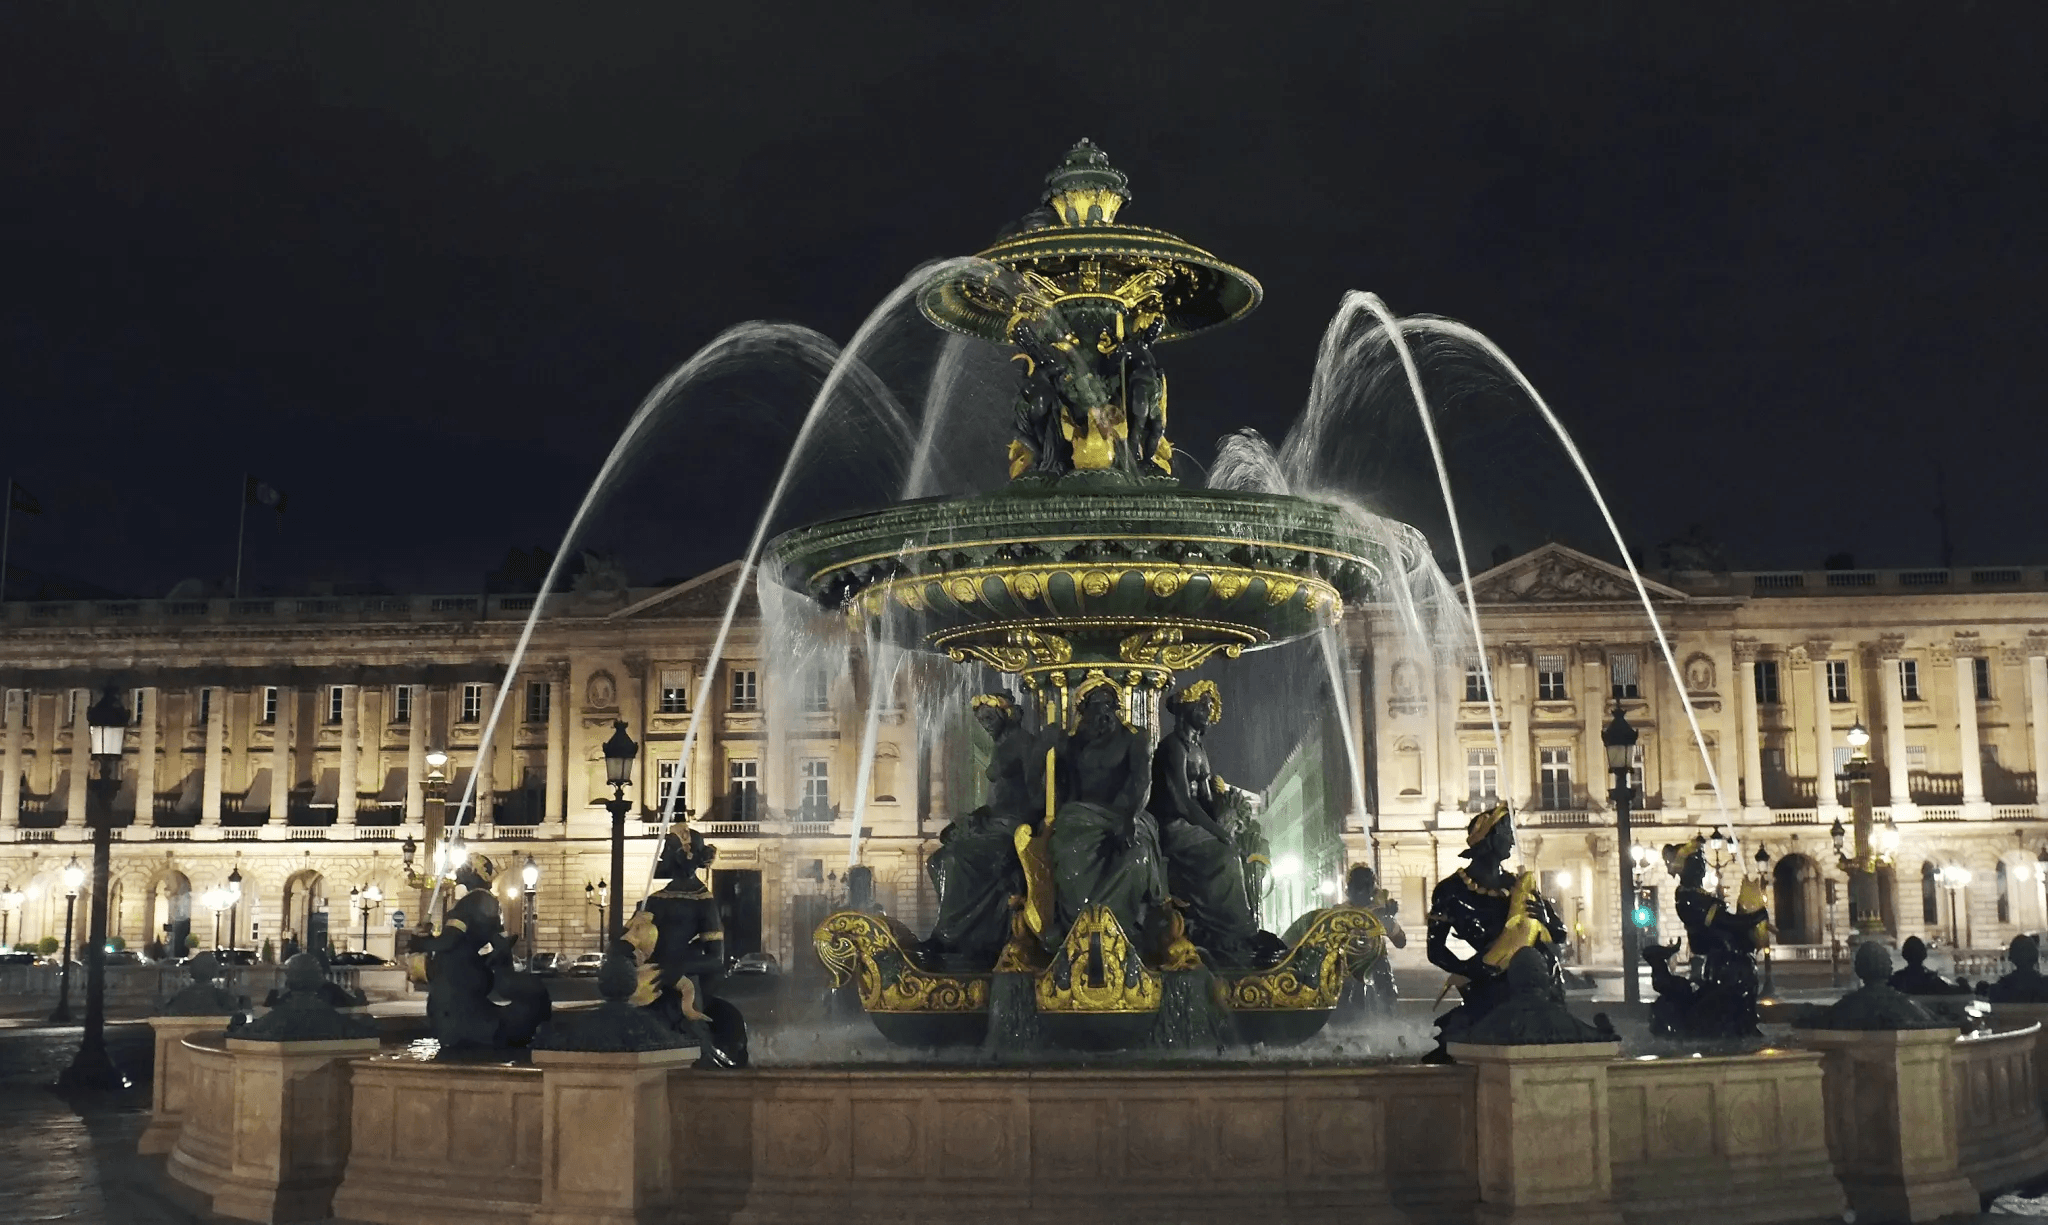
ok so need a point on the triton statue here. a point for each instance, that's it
(1917, 979)
(469, 958)
(975, 869)
(1493, 911)
(687, 952)
(1105, 845)
(2026, 984)
(1720, 1001)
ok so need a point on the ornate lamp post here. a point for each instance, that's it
(1955, 878)
(597, 895)
(216, 900)
(1866, 913)
(1763, 874)
(234, 903)
(10, 906)
(1724, 851)
(74, 876)
(434, 815)
(366, 899)
(1620, 740)
(619, 755)
(107, 723)
(529, 876)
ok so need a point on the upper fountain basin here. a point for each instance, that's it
(1094, 565)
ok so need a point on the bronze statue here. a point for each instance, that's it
(1721, 1000)
(1874, 1005)
(200, 998)
(1533, 1012)
(689, 945)
(1105, 846)
(303, 1013)
(468, 959)
(2025, 984)
(1917, 979)
(1493, 911)
(1204, 868)
(975, 870)
(1374, 995)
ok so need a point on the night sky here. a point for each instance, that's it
(1777, 266)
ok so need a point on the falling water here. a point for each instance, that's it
(848, 363)
(729, 350)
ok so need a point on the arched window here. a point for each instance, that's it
(1930, 896)
(2004, 894)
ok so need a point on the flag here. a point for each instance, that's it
(256, 493)
(22, 500)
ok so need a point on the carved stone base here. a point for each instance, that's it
(170, 1091)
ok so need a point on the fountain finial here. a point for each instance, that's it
(1084, 189)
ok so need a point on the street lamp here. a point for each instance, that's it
(597, 895)
(434, 818)
(74, 876)
(529, 875)
(1955, 878)
(107, 724)
(365, 899)
(216, 900)
(1866, 912)
(234, 902)
(1620, 741)
(1724, 851)
(619, 755)
(10, 905)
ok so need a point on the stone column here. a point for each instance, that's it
(1823, 731)
(216, 741)
(281, 757)
(145, 756)
(14, 712)
(1891, 1121)
(1890, 649)
(486, 761)
(170, 1090)
(2037, 705)
(1542, 1118)
(292, 1112)
(1967, 744)
(351, 731)
(605, 1144)
(1752, 732)
(80, 761)
(1518, 775)
(1593, 716)
(416, 756)
(1450, 756)
(558, 742)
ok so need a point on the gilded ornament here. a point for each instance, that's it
(1035, 854)
(1229, 586)
(1337, 941)
(910, 595)
(1029, 586)
(1095, 583)
(1281, 590)
(1097, 942)
(963, 590)
(1164, 582)
(870, 949)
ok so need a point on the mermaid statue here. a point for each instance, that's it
(975, 869)
(1720, 1000)
(1494, 911)
(470, 958)
(688, 951)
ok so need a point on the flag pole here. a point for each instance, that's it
(241, 524)
(6, 537)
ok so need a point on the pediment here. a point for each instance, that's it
(704, 596)
(1557, 574)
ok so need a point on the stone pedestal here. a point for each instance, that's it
(291, 1128)
(1891, 1121)
(605, 1144)
(1543, 1133)
(170, 1092)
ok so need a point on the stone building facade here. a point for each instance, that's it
(1946, 669)
(285, 739)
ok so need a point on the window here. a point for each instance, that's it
(1767, 682)
(1555, 776)
(1980, 668)
(1550, 686)
(472, 702)
(206, 705)
(817, 692)
(135, 707)
(1838, 680)
(1635, 775)
(1916, 757)
(670, 780)
(269, 703)
(1774, 761)
(817, 780)
(401, 704)
(1482, 776)
(1623, 676)
(746, 691)
(1909, 680)
(1475, 686)
(539, 696)
(746, 789)
(675, 693)
(71, 710)
(334, 703)
(1930, 896)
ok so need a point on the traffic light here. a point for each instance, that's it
(1643, 916)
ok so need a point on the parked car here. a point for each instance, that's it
(754, 963)
(545, 964)
(235, 957)
(586, 965)
(358, 957)
(125, 957)
(18, 958)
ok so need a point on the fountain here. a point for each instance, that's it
(1094, 579)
